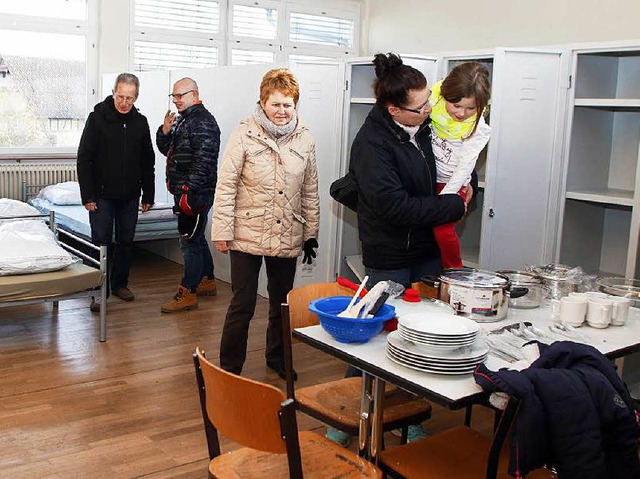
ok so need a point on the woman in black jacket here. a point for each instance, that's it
(397, 206)
(392, 160)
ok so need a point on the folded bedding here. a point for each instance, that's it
(14, 208)
(29, 246)
(67, 193)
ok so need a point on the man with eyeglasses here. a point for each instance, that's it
(116, 164)
(191, 142)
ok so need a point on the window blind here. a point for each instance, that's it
(254, 22)
(187, 15)
(321, 30)
(163, 56)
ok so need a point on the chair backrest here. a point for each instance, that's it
(299, 298)
(425, 290)
(243, 410)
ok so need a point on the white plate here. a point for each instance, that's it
(476, 350)
(441, 337)
(436, 360)
(451, 372)
(438, 324)
(437, 344)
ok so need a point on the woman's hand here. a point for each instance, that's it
(222, 246)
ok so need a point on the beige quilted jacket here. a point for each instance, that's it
(266, 200)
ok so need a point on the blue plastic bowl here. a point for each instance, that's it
(349, 330)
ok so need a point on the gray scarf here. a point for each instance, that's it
(278, 132)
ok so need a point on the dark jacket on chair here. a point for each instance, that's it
(397, 201)
(115, 156)
(575, 413)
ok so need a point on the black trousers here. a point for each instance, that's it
(245, 269)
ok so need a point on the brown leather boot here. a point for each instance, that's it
(184, 300)
(207, 287)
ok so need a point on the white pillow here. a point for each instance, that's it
(29, 246)
(67, 193)
(12, 208)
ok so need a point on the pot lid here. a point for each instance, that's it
(557, 272)
(521, 277)
(475, 278)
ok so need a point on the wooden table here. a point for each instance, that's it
(453, 392)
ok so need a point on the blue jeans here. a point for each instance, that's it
(405, 276)
(198, 261)
(123, 215)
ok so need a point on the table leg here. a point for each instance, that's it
(365, 415)
(377, 419)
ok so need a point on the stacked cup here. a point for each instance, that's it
(573, 310)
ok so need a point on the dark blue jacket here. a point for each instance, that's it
(575, 413)
(192, 148)
(397, 201)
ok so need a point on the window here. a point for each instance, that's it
(167, 34)
(170, 34)
(45, 74)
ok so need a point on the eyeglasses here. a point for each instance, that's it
(178, 96)
(420, 110)
(124, 99)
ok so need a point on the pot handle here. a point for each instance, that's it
(432, 281)
(517, 292)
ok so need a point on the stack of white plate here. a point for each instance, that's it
(441, 344)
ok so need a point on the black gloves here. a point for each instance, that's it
(190, 203)
(309, 253)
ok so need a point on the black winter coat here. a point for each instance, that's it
(575, 413)
(397, 201)
(115, 155)
(191, 148)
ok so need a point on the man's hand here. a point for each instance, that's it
(91, 206)
(169, 120)
(222, 246)
(146, 207)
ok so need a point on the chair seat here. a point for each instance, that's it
(321, 458)
(337, 403)
(447, 455)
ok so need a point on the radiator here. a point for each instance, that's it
(13, 175)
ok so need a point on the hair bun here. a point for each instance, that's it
(386, 64)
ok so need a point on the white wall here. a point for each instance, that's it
(113, 46)
(427, 26)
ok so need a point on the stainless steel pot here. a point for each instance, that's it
(480, 295)
(536, 291)
(558, 278)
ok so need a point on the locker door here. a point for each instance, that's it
(523, 171)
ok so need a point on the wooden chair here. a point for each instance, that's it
(337, 403)
(459, 453)
(262, 419)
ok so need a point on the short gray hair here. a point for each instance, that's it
(129, 78)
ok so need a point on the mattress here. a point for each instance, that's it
(73, 279)
(75, 218)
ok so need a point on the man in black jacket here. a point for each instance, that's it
(191, 142)
(116, 163)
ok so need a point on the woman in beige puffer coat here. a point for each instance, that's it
(266, 206)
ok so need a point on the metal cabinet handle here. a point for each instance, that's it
(491, 213)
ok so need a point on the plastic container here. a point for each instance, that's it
(348, 330)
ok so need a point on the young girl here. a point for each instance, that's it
(458, 135)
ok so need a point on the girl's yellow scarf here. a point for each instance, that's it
(445, 126)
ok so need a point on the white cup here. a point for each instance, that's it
(573, 310)
(599, 312)
(596, 294)
(620, 311)
(584, 296)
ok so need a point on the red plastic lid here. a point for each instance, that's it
(411, 295)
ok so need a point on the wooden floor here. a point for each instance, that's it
(72, 407)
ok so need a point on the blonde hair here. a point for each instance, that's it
(282, 80)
